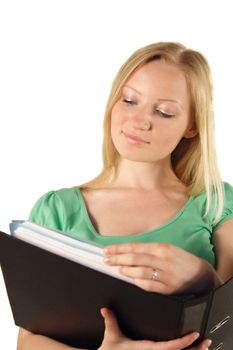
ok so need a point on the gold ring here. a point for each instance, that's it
(154, 274)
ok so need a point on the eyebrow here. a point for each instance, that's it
(159, 99)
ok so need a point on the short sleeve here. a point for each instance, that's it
(48, 211)
(227, 212)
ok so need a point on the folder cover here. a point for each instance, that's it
(61, 299)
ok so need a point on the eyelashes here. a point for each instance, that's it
(156, 110)
(164, 114)
(129, 102)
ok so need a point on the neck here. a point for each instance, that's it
(145, 176)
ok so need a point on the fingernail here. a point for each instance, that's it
(196, 335)
(107, 250)
(107, 260)
(209, 342)
(102, 312)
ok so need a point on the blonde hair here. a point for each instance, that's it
(194, 160)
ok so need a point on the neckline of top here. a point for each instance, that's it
(96, 233)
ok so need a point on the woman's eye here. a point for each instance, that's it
(128, 101)
(164, 114)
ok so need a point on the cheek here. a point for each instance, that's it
(117, 111)
(117, 119)
(114, 126)
(174, 127)
(167, 133)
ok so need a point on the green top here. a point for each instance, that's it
(65, 210)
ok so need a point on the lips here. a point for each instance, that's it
(134, 138)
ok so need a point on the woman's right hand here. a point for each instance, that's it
(115, 340)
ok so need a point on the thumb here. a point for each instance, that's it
(112, 329)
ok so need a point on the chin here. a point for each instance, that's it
(136, 158)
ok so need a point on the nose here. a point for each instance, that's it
(141, 121)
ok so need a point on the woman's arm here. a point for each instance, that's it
(223, 244)
(29, 341)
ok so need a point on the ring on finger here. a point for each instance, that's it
(154, 274)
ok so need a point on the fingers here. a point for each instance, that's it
(114, 339)
(177, 269)
(153, 286)
(131, 259)
(177, 344)
(204, 345)
(138, 247)
(141, 254)
(112, 329)
(142, 272)
(142, 277)
(138, 267)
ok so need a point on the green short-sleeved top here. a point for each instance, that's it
(65, 210)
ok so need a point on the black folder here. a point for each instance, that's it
(61, 299)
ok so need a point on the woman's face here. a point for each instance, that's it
(152, 114)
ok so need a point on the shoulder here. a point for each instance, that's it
(53, 207)
(227, 210)
(228, 191)
(200, 202)
(56, 199)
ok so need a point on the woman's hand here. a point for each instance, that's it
(115, 340)
(162, 267)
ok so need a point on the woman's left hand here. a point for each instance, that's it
(162, 267)
(114, 339)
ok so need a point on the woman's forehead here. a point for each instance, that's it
(161, 79)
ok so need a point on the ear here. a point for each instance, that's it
(191, 132)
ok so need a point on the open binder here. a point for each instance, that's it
(59, 298)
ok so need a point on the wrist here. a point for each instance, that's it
(209, 279)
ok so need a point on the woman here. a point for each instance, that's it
(159, 205)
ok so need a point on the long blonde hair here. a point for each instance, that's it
(194, 160)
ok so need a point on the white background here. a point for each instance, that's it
(58, 59)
